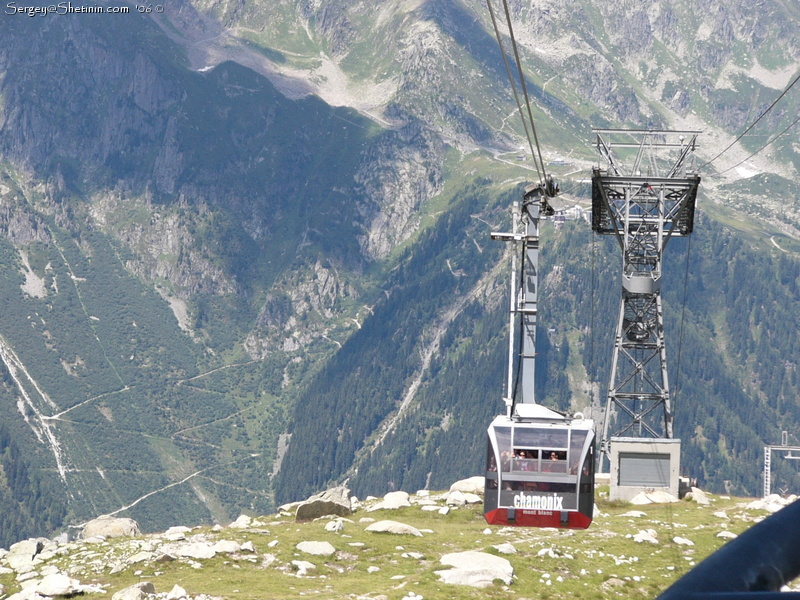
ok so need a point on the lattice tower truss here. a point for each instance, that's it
(643, 205)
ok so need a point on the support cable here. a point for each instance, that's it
(763, 114)
(514, 88)
(524, 89)
(762, 147)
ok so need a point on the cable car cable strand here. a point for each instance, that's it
(763, 114)
(513, 87)
(762, 147)
(524, 88)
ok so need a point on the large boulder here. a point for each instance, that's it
(476, 569)
(392, 501)
(471, 485)
(138, 591)
(107, 527)
(317, 548)
(699, 496)
(335, 501)
(655, 497)
(21, 555)
(393, 527)
(58, 584)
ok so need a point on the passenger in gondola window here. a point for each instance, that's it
(505, 460)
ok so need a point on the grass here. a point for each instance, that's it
(601, 562)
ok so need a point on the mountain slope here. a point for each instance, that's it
(246, 244)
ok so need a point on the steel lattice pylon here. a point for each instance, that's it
(643, 208)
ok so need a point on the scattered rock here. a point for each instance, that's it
(636, 514)
(139, 557)
(303, 567)
(21, 555)
(316, 548)
(681, 541)
(393, 527)
(57, 584)
(227, 547)
(199, 550)
(505, 548)
(653, 498)
(335, 501)
(472, 485)
(648, 536)
(611, 583)
(727, 535)
(392, 501)
(772, 503)
(455, 498)
(699, 496)
(138, 591)
(176, 593)
(476, 569)
(334, 526)
(108, 527)
(243, 522)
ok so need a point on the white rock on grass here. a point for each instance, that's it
(107, 527)
(316, 548)
(635, 514)
(243, 522)
(20, 556)
(505, 548)
(699, 496)
(430, 507)
(456, 498)
(176, 593)
(303, 567)
(57, 584)
(727, 535)
(472, 485)
(653, 498)
(681, 541)
(227, 547)
(392, 501)
(393, 527)
(648, 536)
(198, 550)
(334, 526)
(772, 503)
(476, 569)
(138, 591)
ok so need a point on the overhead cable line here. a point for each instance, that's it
(754, 123)
(523, 85)
(513, 85)
(542, 174)
(762, 147)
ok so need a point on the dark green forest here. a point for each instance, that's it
(728, 332)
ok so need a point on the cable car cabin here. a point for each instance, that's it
(540, 472)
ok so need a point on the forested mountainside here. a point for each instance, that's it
(245, 245)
